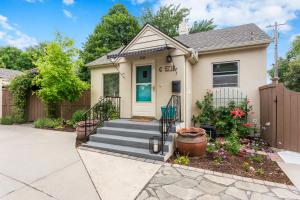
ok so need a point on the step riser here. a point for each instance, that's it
(136, 154)
(128, 134)
(124, 143)
(132, 126)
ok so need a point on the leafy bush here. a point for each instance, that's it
(7, 120)
(77, 116)
(182, 160)
(256, 158)
(19, 88)
(246, 166)
(224, 118)
(47, 123)
(232, 144)
(260, 171)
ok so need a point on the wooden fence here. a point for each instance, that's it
(280, 116)
(37, 109)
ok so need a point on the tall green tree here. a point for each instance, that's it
(204, 25)
(14, 58)
(115, 29)
(56, 79)
(166, 18)
(289, 67)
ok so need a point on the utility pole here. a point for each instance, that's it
(275, 37)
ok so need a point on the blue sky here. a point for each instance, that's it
(27, 22)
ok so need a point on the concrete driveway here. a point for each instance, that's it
(41, 164)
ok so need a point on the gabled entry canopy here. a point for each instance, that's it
(150, 40)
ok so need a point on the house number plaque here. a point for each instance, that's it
(168, 68)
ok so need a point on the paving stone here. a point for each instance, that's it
(210, 188)
(220, 180)
(187, 183)
(162, 194)
(182, 193)
(143, 195)
(251, 186)
(259, 196)
(208, 197)
(284, 193)
(199, 178)
(152, 198)
(151, 191)
(237, 193)
(170, 171)
(189, 173)
(165, 180)
(227, 197)
(271, 194)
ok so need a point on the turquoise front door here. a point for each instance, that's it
(143, 87)
(143, 83)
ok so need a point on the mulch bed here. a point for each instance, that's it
(65, 128)
(233, 164)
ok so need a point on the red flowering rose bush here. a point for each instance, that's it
(234, 116)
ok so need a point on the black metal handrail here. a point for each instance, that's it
(107, 108)
(170, 115)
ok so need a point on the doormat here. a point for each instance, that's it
(141, 119)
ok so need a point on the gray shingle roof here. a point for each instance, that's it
(8, 74)
(238, 36)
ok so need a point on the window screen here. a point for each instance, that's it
(111, 85)
(225, 74)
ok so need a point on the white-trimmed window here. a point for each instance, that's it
(226, 74)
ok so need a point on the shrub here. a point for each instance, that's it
(182, 160)
(256, 158)
(260, 171)
(7, 120)
(47, 123)
(232, 144)
(246, 166)
(19, 88)
(77, 116)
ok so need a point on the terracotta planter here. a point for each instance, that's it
(80, 129)
(191, 141)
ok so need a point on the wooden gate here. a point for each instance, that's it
(280, 116)
(7, 106)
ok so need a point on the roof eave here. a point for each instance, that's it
(212, 50)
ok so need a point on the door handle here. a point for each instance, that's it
(153, 87)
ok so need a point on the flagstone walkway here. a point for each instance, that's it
(185, 183)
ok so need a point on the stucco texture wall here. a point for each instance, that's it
(252, 74)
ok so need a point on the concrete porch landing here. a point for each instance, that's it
(130, 137)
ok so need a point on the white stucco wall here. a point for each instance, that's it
(252, 74)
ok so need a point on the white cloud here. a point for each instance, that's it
(138, 1)
(236, 12)
(68, 14)
(68, 2)
(292, 38)
(10, 35)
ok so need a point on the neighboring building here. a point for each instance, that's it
(8, 74)
(142, 72)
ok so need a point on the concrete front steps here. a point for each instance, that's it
(131, 138)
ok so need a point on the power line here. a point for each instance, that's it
(275, 37)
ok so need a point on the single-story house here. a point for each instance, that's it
(155, 70)
(143, 72)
